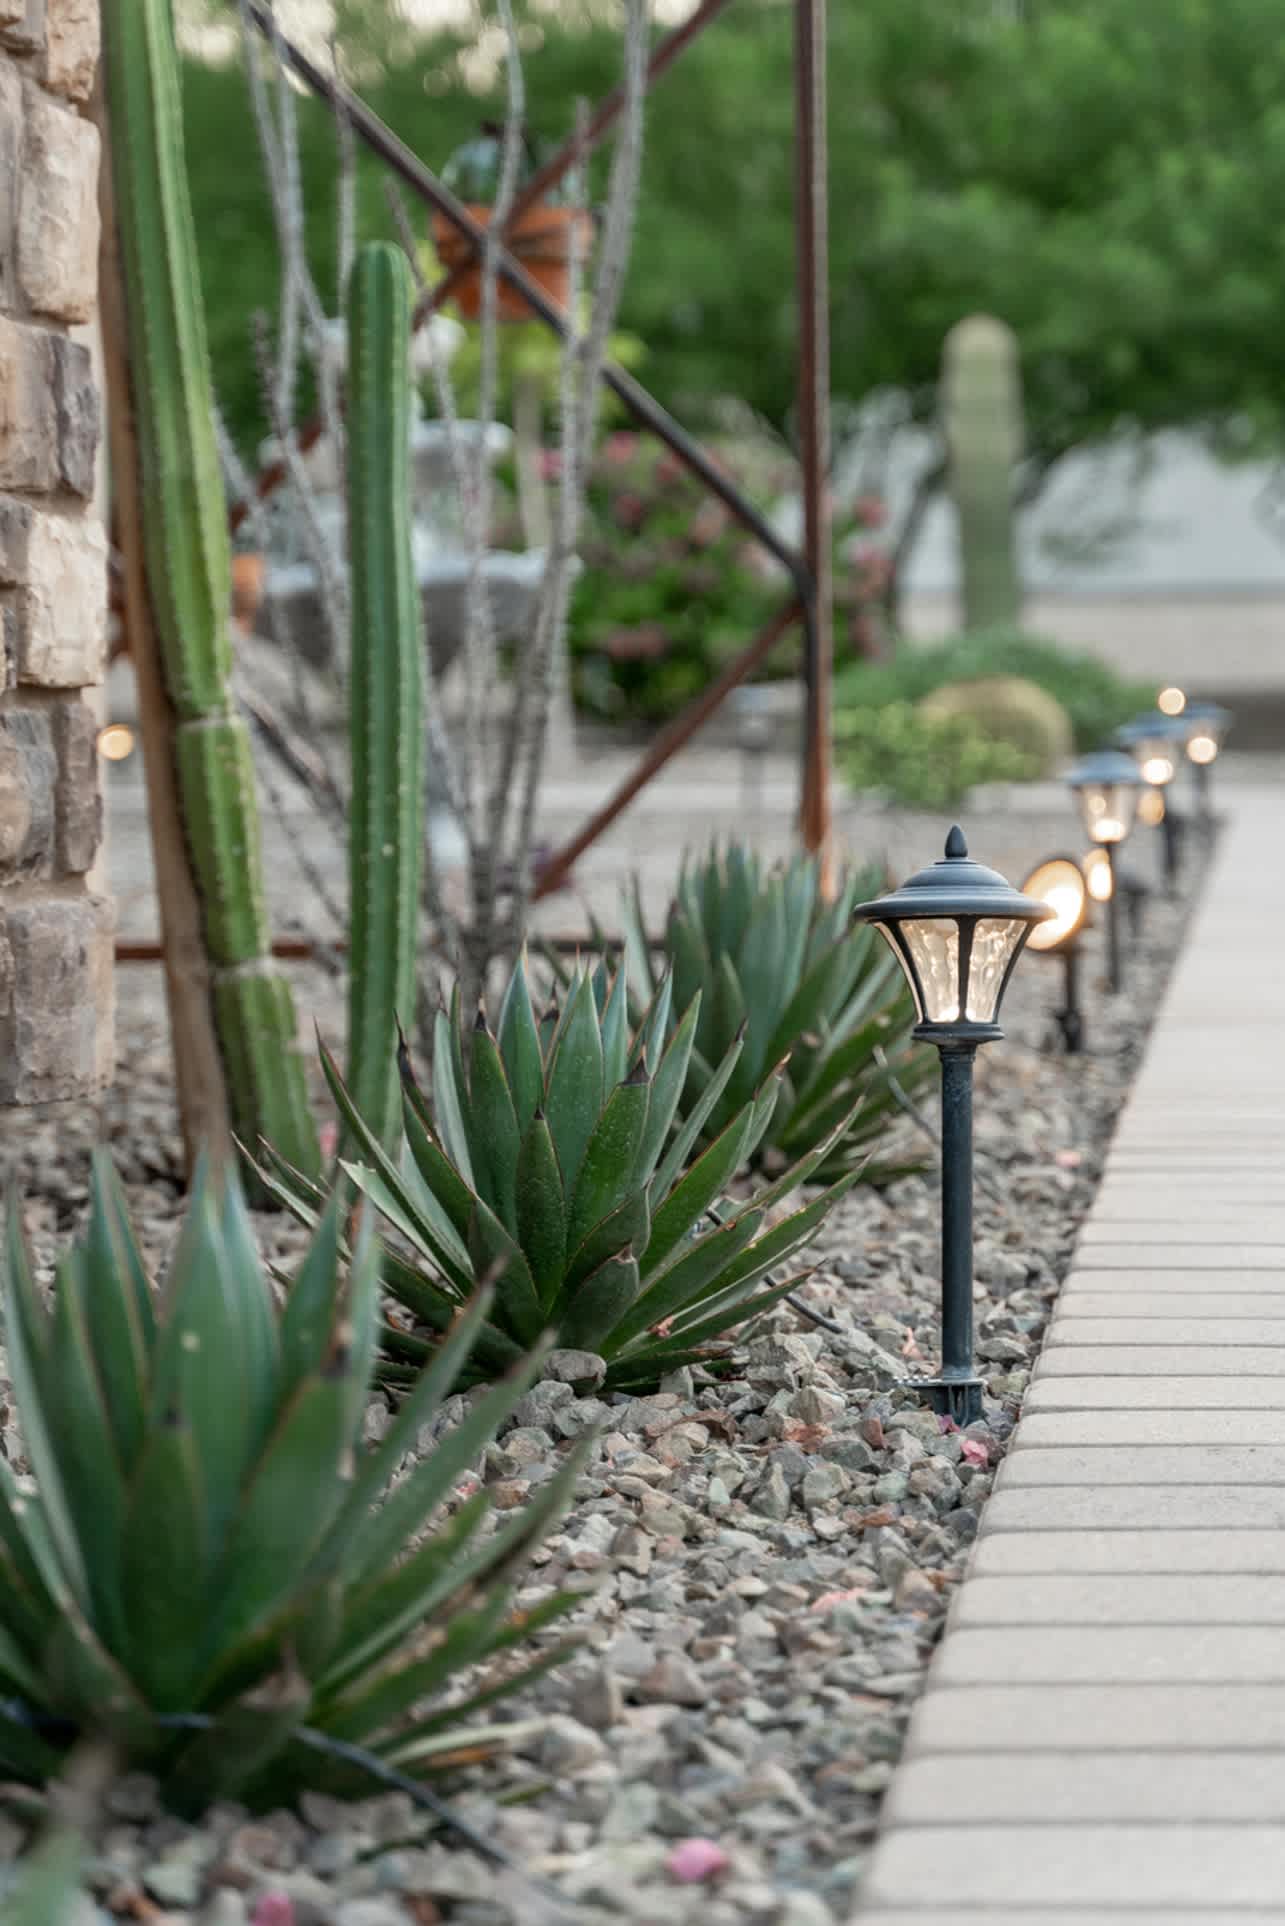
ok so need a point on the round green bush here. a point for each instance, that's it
(1008, 708)
(924, 762)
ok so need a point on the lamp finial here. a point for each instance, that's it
(955, 844)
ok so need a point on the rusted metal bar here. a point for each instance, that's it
(667, 744)
(422, 182)
(551, 172)
(300, 949)
(814, 415)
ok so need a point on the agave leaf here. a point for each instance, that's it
(740, 886)
(48, 1889)
(728, 1017)
(25, 1602)
(199, 1364)
(85, 1682)
(245, 1737)
(383, 1533)
(433, 1225)
(288, 1506)
(649, 1041)
(308, 1319)
(587, 1315)
(520, 1047)
(615, 1031)
(465, 1638)
(449, 1090)
(28, 1542)
(118, 1310)
(164, 1563)
(357, 1336)
(780, 1242)
(626, 1228)
(807, 1165)
(541, 1210)
(439, 1174)
(695, 1268)
(496, 1254)
(439, 1732)
(27, 1757)
(492, 1125)
(810, 1008)
(692, 1196)
(608, 1173)
(710, 1320)
(26, 1338)
(19, 1670)
(667, 1087)
(304, 1200)
(761, 976)
(376, 1467)
(691, 966)
(690, 1129)
(765, 1102)
(378, 1615)
(638, 965)
(575, 1083)
(92, 1474)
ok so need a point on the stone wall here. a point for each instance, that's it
(55, 934)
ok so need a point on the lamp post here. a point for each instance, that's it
(957, 929)
(1060, 882)
(1207, 727)
(1157, 744)
(1105, 786)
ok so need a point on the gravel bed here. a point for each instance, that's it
(766, 1560)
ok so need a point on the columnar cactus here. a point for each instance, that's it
(981, 408)
(189, 576)
(387, 677)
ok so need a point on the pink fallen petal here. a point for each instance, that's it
(693, 1860)
(974, 1452)
(945, 1422)
(328, 1138)
(829, 1599)
(274, 1909)
(1068, 1159)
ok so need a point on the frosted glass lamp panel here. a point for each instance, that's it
(995, 940)
(934, 950)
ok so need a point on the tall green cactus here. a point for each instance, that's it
(189, 577)
(387, 683)
(982, 422)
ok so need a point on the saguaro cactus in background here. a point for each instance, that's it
(387, 683)
(189, 576)
(981, 413)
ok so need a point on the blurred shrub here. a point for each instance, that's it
(1096, 699)
(1009, 709)
(922, 761)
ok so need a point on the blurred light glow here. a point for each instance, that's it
(1097, 875)
(1171, 701)
(1202, 749)
(1061, 884)
(1151, 807)
(1157, 767)
(116, 742)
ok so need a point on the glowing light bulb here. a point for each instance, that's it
(1097, 875)
(1171, 701)
(1157, 769)
(116, 742)
(1202, 749)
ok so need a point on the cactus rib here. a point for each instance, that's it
(387, 682)
(982, 422)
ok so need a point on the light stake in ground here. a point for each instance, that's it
(1059, 881)
(1207, 726)
(957, 929)
(1105, 786)
(1156, 743)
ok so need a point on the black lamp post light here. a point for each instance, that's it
(1060, 882)
(1105, 786)
(1207, 727)
(1158, 745)
(957, 929)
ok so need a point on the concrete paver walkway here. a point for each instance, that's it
(1102, 1738)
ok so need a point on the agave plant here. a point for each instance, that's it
(807, 987)
(549, 1155)
(204, 1574)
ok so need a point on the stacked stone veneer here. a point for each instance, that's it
(55, 934)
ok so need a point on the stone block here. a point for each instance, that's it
(55, 998)
(1162, 1427)
(1050, 1392)
(1156, 1300)
(28, 784)
(78, 813)
(1162, 1361)
(28, 420)
(58, 210)
(22, 25)
(1004, 1866)
(1144, 1508)
(1173, 1554)
(1026, 1788)
(77, 415)
(1114, 1598)
(71, 47)
(10, 150)
(1098, 1719)
(1113, 1655)
(1190, 1464)
(55, 569)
